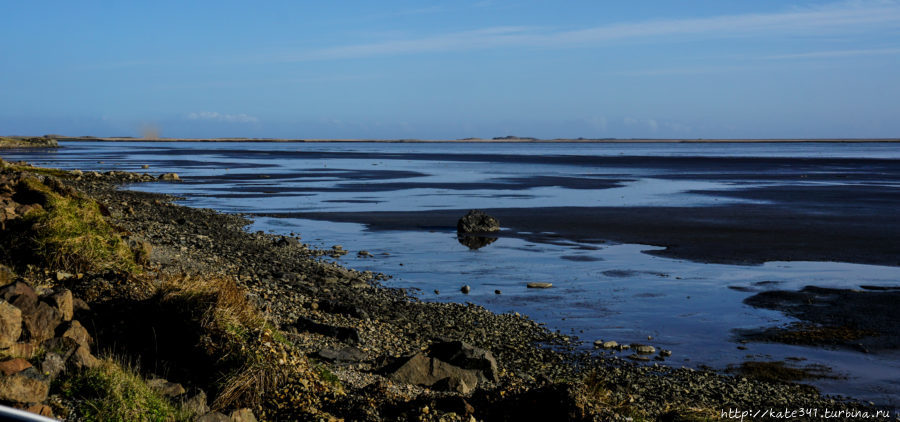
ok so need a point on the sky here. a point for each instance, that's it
(450, 70)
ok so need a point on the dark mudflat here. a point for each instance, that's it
(741, 234)
(863, 320)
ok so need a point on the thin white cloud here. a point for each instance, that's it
(221, 117)
(825, 20)
(836, 53)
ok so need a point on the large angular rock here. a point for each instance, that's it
(41, 321)
(466, 356)
(428, 372)
(83, 359)
(243, 415)
(63, 301)
(476, 221)
(10, 324)
(19, 294)
(75, 331)
(52, 365)
(165, 387)
(14, 366)
(20, 388)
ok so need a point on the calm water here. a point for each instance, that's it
(601, 291)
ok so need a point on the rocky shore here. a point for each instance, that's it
(121, 305)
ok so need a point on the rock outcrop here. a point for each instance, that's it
(476, 221)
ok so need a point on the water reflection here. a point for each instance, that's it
(474, 242)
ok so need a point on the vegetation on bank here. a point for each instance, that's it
(65, 231)
(112, 392)
(26, 142)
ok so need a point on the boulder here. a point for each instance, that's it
(82, 358)
(476, 221)
(243, 415)
(20, 388)
(10, 324)
(63, 301)
(52, 365)
(346, 354)
(466, 356)
(19, 292)
(169, 177)
(63, 346)
(22, 350)
(197, 403)
(539, 285)
(75, 331)
(40, 409)
(14, 366)
(165, 387)
(214, 417)
(427, 371)
(41, 321)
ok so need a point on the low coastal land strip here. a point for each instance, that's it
(121, 305)
(499, 139)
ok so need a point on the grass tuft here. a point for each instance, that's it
(112, 392)
(70, 233)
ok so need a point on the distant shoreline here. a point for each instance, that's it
(480, 140)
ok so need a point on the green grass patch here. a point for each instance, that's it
(113, 393)
(70, 232)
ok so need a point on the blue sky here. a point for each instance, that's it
(447, 70)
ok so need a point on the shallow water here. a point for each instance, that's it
(601, 291)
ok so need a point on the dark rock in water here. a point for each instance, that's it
(539, 285)
(476, 221)
(475, 242)
(466, 356)
(465, 289)
(169, 177)
(346, 354)
(340, 333)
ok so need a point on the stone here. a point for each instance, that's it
(62, 346)
(465, 289)
(466, 356)
(456, 384)
(426, 371)
(341, 333)
(665, 353)
(609, 345)
(18, 291)
(63, 301)
(476, 221)
(41, 322)
(52, 365)
(165, 387)
(40, 409)
(639, 358)
(77, 332)
(643, 349)
(62, 276)
(80, 306)
(346, 354)
(145, 166)
(14, 366)
(539, 285)
(10, 324)
(214, 417)
(20, 388)
(497, 292)
(196, 404)
(169, 177)
(82, 358)
(22, 350)
(243, 415)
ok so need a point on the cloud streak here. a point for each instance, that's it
(220, 117)
(819, 21)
